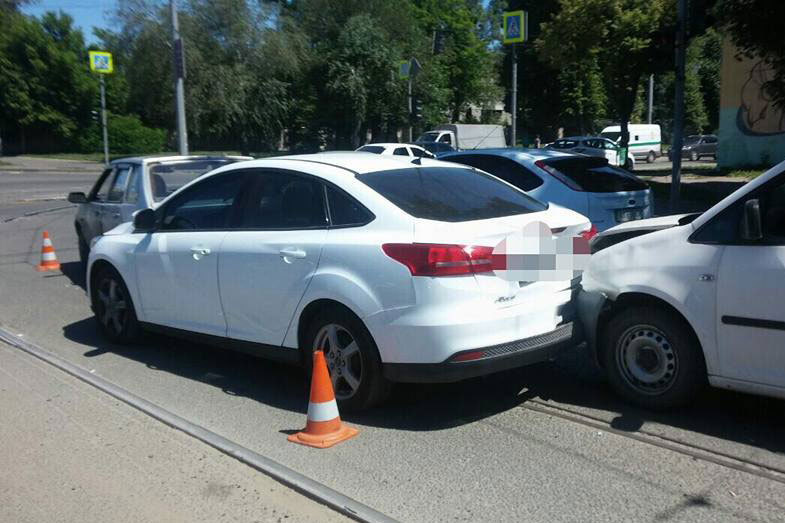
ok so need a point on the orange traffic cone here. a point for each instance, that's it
(48, 257)
(323, 427)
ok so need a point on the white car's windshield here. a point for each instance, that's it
(427, 137)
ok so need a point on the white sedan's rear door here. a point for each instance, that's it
(264, 268)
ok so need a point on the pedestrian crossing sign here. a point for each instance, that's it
(101, 62)
(516, 27)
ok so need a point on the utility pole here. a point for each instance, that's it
(179, 87)
(411, 115)
(103, 121)
(651, 97)
(514, 98)
(678, 109)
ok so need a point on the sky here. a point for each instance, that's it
(86, 13)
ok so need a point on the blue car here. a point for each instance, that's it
(607, 195)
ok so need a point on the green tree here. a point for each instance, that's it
(45, 86)
(751, 25)
(625, 37)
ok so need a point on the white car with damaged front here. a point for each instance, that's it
(700, 298)
(383, 264)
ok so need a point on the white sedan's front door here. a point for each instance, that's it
(177, 275)
(177, 266)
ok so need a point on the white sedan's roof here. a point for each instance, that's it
(387, 145)
(353, 162)
(177, 158)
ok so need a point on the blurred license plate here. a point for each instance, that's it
(626, 215)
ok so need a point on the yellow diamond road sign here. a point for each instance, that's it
(516, 27)
(101, 62)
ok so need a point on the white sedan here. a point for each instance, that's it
(397, 149)
(672, 302)
(384, 265)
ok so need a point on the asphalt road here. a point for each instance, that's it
(73, 453)
(543, 443)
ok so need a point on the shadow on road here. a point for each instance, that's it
(571, 382)
(74, 271)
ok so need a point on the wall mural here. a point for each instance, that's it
(757, 114)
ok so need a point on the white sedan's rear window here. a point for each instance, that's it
(450, 194)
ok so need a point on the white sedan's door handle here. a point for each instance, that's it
(292, 253)
(198, 252)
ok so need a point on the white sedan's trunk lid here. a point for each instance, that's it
(496, 291)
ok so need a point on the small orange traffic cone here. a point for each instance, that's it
(323, 428)
(48, 257)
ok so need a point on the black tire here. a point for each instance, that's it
(120, 324)
(652, 358)
(365, 364)
(629, 165)
(694, 156)
(651, 157)
(84, 248)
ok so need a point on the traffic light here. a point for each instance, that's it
(94, 115)
(438, 41)
(416, 108)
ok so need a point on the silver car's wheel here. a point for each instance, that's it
(646, 360)
(344, 359)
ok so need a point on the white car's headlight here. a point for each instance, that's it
(94, 241)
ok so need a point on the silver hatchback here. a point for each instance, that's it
(130, 184)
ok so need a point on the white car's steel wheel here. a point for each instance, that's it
(646, 359)
(344, 359)
(651, 356)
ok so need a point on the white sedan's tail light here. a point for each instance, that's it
(427, 259)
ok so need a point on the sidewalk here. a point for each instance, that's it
(33, 164)
(70, 453)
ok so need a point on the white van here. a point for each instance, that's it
(671, 302)
(645, 139)
(461, 137)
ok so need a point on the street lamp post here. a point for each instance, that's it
(179, 87)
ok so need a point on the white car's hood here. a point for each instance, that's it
(648, 224)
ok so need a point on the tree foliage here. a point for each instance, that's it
(623, 39)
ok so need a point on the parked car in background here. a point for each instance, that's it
(465, 136)
(607, 195)
(645, 140)
(130, 184)
(594, 146)
(437, 148)
(697, 146)
(396, 149)
(384, 265)
(701, 297)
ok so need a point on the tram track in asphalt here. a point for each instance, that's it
(299, 482)
(663, 442)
